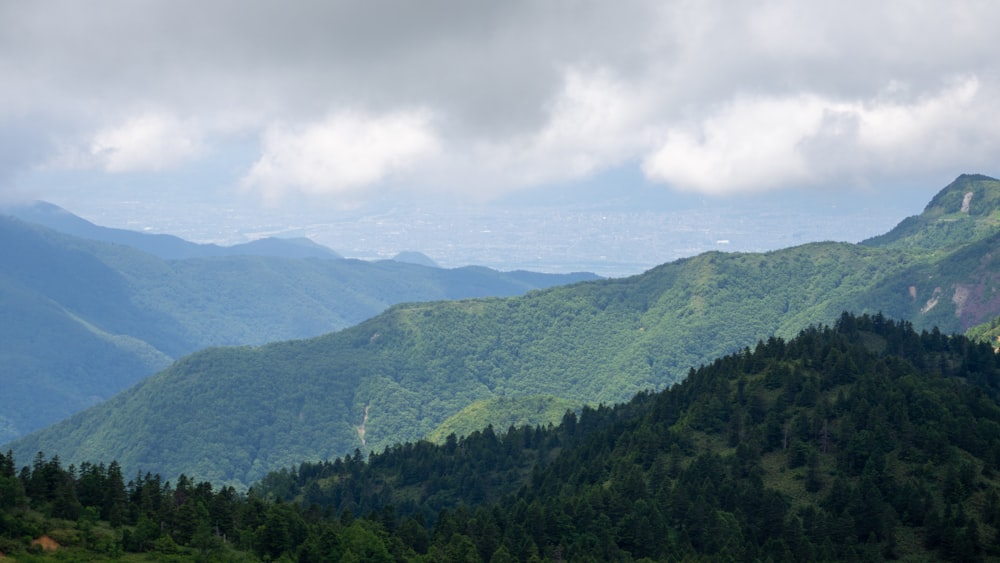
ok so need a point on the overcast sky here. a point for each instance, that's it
(332, 104)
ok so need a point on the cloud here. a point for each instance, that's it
(759, 143)
(23, 145)
(591, 123)
(344, 153)
(477, 99)
(149, 142)
(747, 144)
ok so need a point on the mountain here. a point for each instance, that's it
(230, 415)
(413, 257)
(843, 443)
(968, 209)
(167, 247)
(861, 441)
(85, 319)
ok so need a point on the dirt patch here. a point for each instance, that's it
(933, 301)
(47, 543)
(961, 296)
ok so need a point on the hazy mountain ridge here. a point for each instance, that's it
(415, 365)
(167, 247)
(85, 319)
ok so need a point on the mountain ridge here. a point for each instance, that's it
(85, 319)
(965, 210)
(165, 246)
(413, 366)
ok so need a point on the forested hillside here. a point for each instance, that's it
(865, 440)
(231, 415)
(83, 320)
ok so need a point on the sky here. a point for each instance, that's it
(324, 107)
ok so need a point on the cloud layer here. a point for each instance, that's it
(349, 99)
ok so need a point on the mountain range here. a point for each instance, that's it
(230, 415)
(88, 315)
(863, 440)
(168, 247)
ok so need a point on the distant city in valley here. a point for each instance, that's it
(553, 239)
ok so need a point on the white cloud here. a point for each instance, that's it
(594, 121)
(344, 153)
(923, 125)
(747, 144)
(149, 142)
(767, 142)
(709, 96)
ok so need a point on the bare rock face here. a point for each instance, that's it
(966, 201)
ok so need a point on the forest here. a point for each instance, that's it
(862, 440)
(418, 370)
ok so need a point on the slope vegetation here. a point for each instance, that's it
(865, 440)
(84, 319)
(230, 415)
(862, 441)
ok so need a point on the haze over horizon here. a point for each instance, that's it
(550, 136)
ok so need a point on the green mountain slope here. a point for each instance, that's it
(84, 320)
(502, 412)
(966, 210)
(230, 415)
(864, 441)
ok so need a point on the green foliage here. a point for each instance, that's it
(84, 320)
(503, 412)
(230, 415)
(865, 440)
(967, 210)
(882, 433)
(988, 332)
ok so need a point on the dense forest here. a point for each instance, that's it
(861, 440)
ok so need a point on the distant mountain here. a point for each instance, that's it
(966, 210)
(167, 247)
(83, 320)
(230, 415)
(413, 257)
